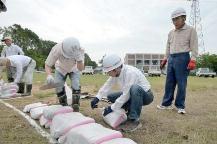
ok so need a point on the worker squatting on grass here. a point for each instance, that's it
(23, 68)
(135, 91)
(181, 41)
(68, 59)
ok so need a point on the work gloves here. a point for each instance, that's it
(94, 102)
(191, 65)
(50, 80)
(163, 63)
(107, 110)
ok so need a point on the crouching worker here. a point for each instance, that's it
(135, 91)
(23, 67)
(64, 56)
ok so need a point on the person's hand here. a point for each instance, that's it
(107, 110)
(192, 65)
(94, 102)
(50, 80)
(163, 63)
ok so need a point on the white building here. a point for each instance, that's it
(144, 61)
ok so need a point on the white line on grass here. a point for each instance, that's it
(30, 120)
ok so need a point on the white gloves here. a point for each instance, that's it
(50, 80)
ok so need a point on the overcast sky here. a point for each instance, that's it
(108, 26)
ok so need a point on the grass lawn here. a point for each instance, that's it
(198, 126)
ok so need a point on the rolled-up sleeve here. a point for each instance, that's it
(53, 56)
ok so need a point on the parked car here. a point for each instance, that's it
(154, 72)
(205, 72)
(88, 70)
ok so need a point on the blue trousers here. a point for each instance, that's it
(75, 81)
(177, 74)
(138, 98)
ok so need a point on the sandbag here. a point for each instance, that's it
(120, 141)
(56, 109)
(63, 123)
(36, 113)
(115, 118)
(28, 107)
(91, 133)
(8, 90)
(44, 122)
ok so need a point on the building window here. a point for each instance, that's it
(154, 62)
(146, 62)
(138, 62)
(131, 62)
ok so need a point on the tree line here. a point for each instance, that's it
(32, 45)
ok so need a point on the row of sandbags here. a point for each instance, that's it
(8, 90)
(70, 127)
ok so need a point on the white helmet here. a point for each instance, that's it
(178, 12)
(111, 62)
(3, 6)
(70, 47)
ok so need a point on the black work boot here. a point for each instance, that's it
(62, 97)
(63, 100)
(28, 90)
(76, 100)
(21, 88)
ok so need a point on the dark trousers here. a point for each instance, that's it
(177, 74)
(138, 98)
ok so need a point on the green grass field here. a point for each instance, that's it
(198, 126)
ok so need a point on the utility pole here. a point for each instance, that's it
(195, 21)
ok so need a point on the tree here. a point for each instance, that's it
(207, 61)
(32, 45)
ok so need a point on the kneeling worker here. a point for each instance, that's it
(23, 67)
(135, 91)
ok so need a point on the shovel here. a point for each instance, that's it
(50, 86)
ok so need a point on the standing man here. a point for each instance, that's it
(24, 67)
(181, 41)
(3, 7)
(65, 56)
(135, 91)
(8, 50)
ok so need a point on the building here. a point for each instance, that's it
(144, 61)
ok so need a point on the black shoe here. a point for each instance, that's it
(130, 126)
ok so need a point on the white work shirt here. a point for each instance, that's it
(19, 62)
(129, 76)
(62, 64)
(11, 50)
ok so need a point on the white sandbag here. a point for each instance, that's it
(68, 91)
(120, 141)
(56, 109)
(36, 113)
(115, 118)
(44, 122)
(62, 123)
(92, 133)
(28, 107)
(8, 90)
